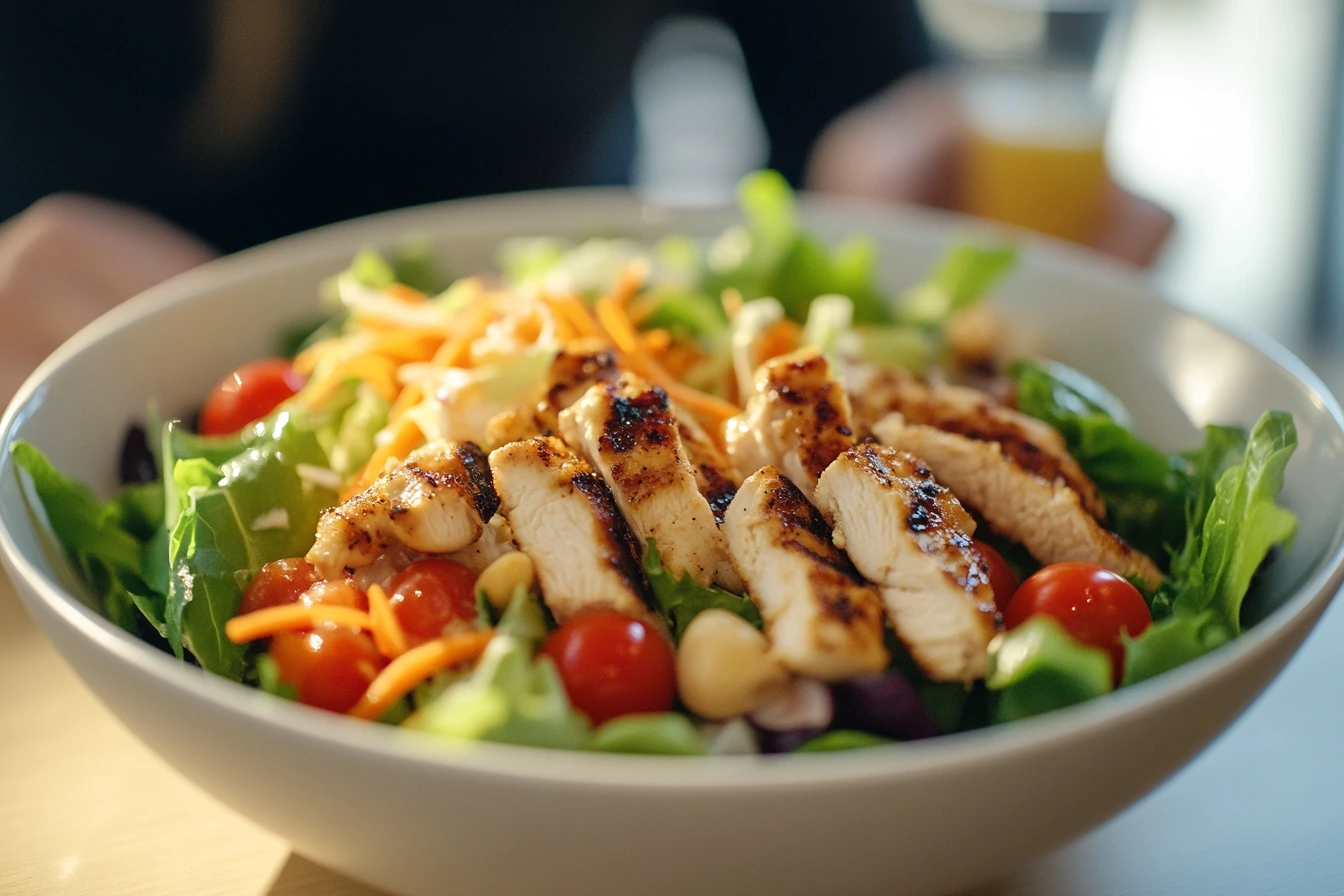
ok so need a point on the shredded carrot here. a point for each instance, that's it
(779, 338)
(401, 675)
(409, 396)
(657, 341)
(376, 370)
(630, 281)
(406, 437)
(388, 636)
(267, 621)
(564, 327)
(409, 344)
(468, 326)
(623, 333)
(403, 293)
(578, 315)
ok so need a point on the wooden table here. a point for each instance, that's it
(86, 809)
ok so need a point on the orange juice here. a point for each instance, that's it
(1035, 157)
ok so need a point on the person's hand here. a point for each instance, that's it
(66, 260)
(905, 146)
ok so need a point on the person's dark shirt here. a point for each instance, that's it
(382, 105)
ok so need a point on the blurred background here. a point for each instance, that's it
(1225, 112)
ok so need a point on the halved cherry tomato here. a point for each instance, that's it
(1002, 579)
(612, 665)
(330, 667)
(1093, 604)
(279, 583)
(247, 395)
(429, 595)
(338, 592)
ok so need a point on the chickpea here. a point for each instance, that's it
(501, 578)
(724, 666)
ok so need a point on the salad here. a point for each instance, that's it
(699, 496)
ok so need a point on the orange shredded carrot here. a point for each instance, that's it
(408, 344)
(403, 293)
(267, 621)
(564, 327)
(406, 437)
(656, 341)
(623, 333)
(408, 396)
(400, 676)
(578, 315)
(468, 326)
(779, 338)
(387, 633)
(630, 281)
(376, 370)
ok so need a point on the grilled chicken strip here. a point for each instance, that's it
(911, 536)
(571, 373)
(822, 619)
(1034, 445)
(435, 502)
(564, 518)
(627, 432)
(798, 420)
(713, 473)
(1044, 514)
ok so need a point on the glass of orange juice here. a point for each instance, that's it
(1036, 83)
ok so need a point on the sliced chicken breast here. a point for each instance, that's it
(798, 420)
(574, 369)
(1033, 444)
(564, 518)
(713, 473)
(821, 617)
(626, 430)
(1043, 514)
(435, 502)
(910, 536)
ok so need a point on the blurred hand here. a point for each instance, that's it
(68, 259)
(905, 146)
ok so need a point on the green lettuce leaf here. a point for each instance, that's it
(842, 739)
(104, 540)
(1242, 523)
(235, 518)
(679, 599)
(1037, 667)
(963, 276)
(510, 697)
(1169, 643)
(664, 733)
(1145, 490)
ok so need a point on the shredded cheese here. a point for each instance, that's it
(405, 438)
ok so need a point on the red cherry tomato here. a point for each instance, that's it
(1002, 579)
(339, 592)
(430, 594)
(330, 667)
(279, 583)
(612, 665)
(1093, 604)
(247, 395)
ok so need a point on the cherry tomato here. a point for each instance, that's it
(430, 594)
(1002, 579)
(247, 395)
(612, 665)
(340, 593)
(1093, 604)
(330, 667)
(279, 583)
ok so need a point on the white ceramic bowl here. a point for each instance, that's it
(418, 816)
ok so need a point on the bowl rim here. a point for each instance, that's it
(438, 755)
